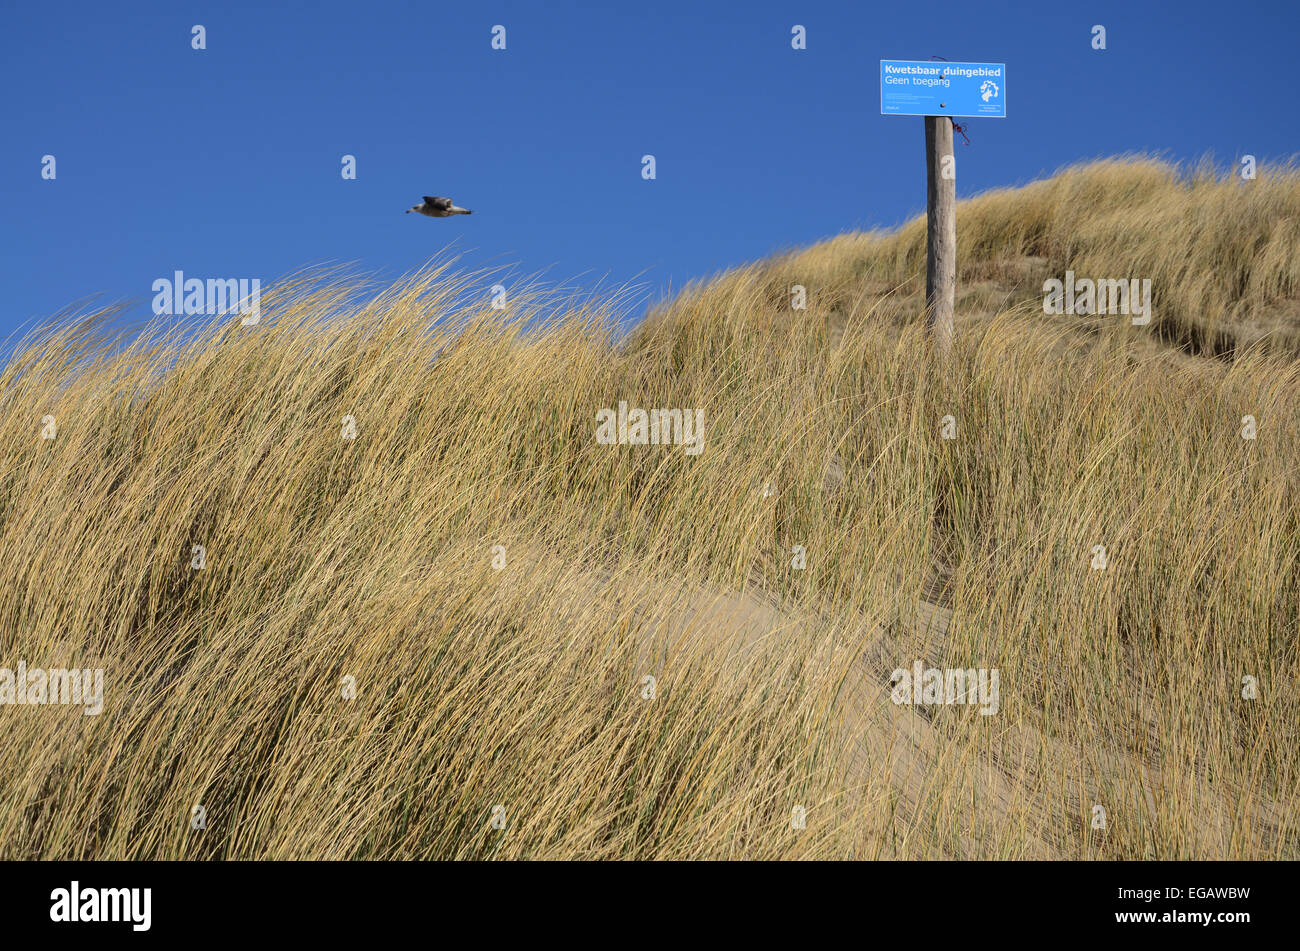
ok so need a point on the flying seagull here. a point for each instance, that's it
(438, 208)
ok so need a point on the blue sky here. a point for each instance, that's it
(226, 162)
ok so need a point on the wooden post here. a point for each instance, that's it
(941, 231)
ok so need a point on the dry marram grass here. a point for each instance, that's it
(524, 687)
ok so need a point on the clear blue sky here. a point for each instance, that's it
(226, 162)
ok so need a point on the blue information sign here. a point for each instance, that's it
(935, 88)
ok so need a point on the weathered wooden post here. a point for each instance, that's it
(939, 91)
(941, 231)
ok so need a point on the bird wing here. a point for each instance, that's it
(442, 204)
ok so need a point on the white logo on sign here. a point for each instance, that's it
(989, 90)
